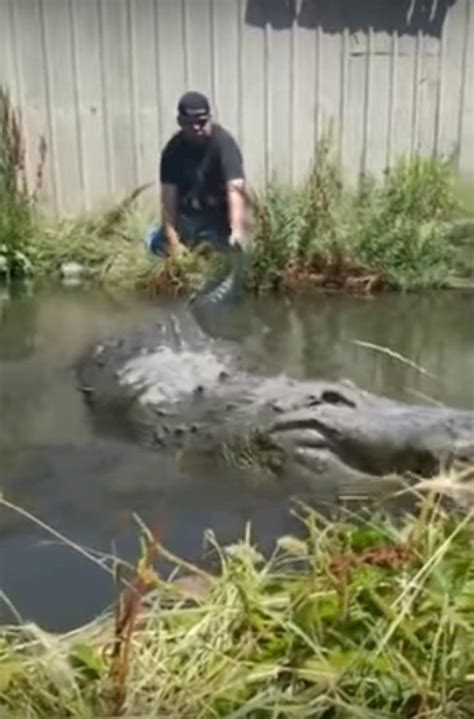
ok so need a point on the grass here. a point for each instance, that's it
(108, 244)
(110, 247)
(18, 203)
(412, 230)
(402, 233)
(357, 617)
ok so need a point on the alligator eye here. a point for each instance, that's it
(332, 397)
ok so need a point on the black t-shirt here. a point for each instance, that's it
(201, 171)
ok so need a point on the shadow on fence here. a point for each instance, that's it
(405, 17)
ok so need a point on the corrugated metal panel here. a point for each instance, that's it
(100, 80)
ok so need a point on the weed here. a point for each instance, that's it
(403, 225)
(278, 226)
(399, 233)
(17, 202)
(403, 233)
(186, 273)
(323, 211)
(108, 245)
(356, 617)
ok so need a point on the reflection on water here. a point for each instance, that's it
(17, 307)
(53, 463)
(316, 338)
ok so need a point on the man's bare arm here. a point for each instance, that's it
(237, 209)
(169, 207)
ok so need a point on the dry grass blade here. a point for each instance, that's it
(395, 355)
(348, 628)
(116, 214)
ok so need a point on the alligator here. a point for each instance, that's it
(173, 388)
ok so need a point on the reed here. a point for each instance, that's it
(364, 616)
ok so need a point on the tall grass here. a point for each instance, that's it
(110, 247)
(397, 232)
(107, 244)
(300, 229)
(402, 232)
(278, 227)
(360, 617)
(18, 204)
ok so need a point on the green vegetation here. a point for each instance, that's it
(402, 234)
(107, 245)
(412, 231)
(359, 617)
(110, 246)
(398, 234)
(17, 203)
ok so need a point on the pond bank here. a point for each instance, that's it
(411, 230)
(408, 233)
(358, 617)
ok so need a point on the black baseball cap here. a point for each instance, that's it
(194, 105)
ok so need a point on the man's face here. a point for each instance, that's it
(196, 129)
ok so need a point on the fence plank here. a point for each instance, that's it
(100, 79)
(63, 106)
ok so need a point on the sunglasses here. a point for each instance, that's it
(193, 122)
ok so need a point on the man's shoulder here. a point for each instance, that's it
(222, 136)
(174, 144)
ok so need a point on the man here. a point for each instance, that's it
(202, 184)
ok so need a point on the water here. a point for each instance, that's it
(54, 463)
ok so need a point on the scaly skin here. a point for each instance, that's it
(325, 435)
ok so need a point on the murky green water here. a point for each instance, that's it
(53, 462)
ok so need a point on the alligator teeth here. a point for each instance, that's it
(299, 438)
(312, 458)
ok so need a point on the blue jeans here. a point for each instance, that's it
(157, 243)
